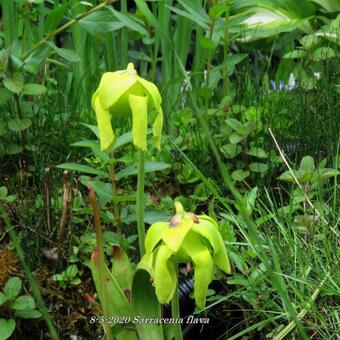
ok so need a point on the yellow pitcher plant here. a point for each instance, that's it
(124, 94)
(186, 238)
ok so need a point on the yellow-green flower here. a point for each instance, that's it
(125, 94)
(187, 238)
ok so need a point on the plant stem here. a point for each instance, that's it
(226, 48)
(101, 260)
(116, 212)
(175, 313)
(35, 288)
(64, 27)
(140, 202)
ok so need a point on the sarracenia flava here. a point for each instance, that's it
(186, 238)
(125, 94)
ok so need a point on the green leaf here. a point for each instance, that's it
(102, 189)
(54, 18)
(82, 168)
(3, 192)
(129, 23)
(3, 298)
(149, 167)
(7, 327)
(93, 128)
(236, 138)
(19, 124)
(142, 291)
(12, 288)
(14, 83)
(307, 164)
(67, 54)
(239, 175)
(323, 53)
(103, 21)
(326, 173)
(5, 95)
(117, 303)
(207, 43)
(71, 272)
(33, 89)
(231, 150)
(121, 269)
(28, 314)
(14, 149)
(258, 167)
(300, 175)
(296, 54)
(236, 125)
(23, 302)
(257, 152)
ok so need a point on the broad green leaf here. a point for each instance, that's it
(54, 18)
(12, 287)
(307, 164)
(5, 95)
(3, 298)
(323, 53)
(236, 125)
(207, 43)
(149, 167)
(67, 54)
(118, 304)
(251, 198)
(236, 138)
(102, 189)
(296, 54)
(86, 144)
(14, 149)
(93, 128)
(14, 83)
(146, 305)
(103, 21)
(3, 192)
(19, 124)
(239, 175)
(129, 23)
(33, 89)
(231, 150)
(258, 167)
(326, 173)
(257, 152)
(121, 270)
(23, 302)
(28, 314)
(7, 327)
(82, 168)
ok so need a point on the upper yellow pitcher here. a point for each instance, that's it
(124, 93)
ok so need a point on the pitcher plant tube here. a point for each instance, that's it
(124, 94)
